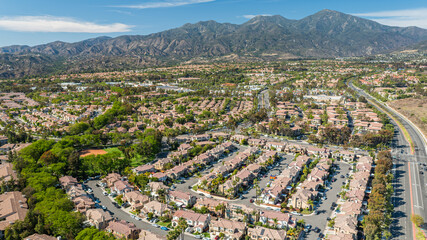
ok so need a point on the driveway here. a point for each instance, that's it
(283, 163)
(324, 210)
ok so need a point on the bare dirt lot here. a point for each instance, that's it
(88, 152)
(414, 109)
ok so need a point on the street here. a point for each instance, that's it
(410, 193)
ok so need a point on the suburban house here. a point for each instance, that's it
(136, 199)
(300, 199)
(344, 155)
(83, 203)
(67, 182)
(182, 199)
(144, 169)
(262, 233)
(111, 178)
(211, 204)
(98, 218)
(346, 224)
(123, 229)
(157, 208)
(37, 236)
(278, 219)
(7, 173)
(156, 186)
(147, 235)
(233, 230)
(13, 207)
(121, 187)
(199, 222)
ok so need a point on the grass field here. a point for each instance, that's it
(135, 161)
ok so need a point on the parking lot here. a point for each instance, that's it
(275, 170)
(319, 219)
(324, 209)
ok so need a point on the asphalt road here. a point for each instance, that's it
(122, 215)
(324, 208)
(264, 100)
(410, 193)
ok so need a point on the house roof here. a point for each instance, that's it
(67, 180)
(13, 206)
(121, 227)
(227, 224)
(180, 195)
(266, 233)
(98, 215)
(195, 217)
(37, 236)
(276, 215)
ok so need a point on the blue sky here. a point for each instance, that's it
(33, 22)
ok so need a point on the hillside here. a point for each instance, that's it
(322, 35)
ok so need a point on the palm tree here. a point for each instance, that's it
(221, 207)
(161, 195)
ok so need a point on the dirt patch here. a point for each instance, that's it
(95, 152)
(414, 109)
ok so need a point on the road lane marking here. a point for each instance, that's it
(412, 201)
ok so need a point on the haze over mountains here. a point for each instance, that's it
(324, 34)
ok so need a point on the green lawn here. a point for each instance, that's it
(113, 150)
(135, 161)
(164, 224)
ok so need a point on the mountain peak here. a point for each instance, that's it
(274, 19)
(327, 33)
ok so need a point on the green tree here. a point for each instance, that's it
(417, 219)
(94, 234)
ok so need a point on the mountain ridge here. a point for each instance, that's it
(325, 34)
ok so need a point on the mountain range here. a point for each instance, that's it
(325, 34)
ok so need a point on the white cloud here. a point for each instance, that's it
(250, 16)
(401, 18)
(58, 24)
(165, 4)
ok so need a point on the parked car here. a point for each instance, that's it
(164, 228)
(103, 207)
(198, 237)
(155, 225)
(251, 200)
